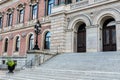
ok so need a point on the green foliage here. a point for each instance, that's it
(11, 63)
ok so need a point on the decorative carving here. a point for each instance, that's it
(11, 36)
(32, 2)
(21, 6)
(24, 34)
(79, 4)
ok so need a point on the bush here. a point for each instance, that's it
(11, 63)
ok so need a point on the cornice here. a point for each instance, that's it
(89, 6)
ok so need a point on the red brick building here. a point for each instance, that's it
(17, 21)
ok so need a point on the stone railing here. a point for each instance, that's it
(79, 4)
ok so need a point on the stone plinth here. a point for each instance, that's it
(38, 57)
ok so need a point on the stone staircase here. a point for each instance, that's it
(74, 66)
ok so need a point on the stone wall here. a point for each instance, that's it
(92, 16)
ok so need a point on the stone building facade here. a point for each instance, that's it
(85, 26)
(67, 26)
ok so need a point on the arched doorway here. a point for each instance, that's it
(109, 35)
(81, 38)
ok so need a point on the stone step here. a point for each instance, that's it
(67, 75)
(74, 66)
(72, 72)
(86, 61)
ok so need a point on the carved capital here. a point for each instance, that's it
(68, 30)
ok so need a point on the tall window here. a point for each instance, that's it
(0, 22)
(17, 47)
(31, 42)
(6, 45)
(10, 19)
(21, 16)
(50, 5)
(34, 11)
(47, 41)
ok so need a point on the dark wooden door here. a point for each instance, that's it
(81, 39)
(109, 38)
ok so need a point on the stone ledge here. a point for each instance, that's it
(40, 52)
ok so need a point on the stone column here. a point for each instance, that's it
(92, 38)
(117, 35)
(70, 42)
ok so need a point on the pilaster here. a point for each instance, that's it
(92, 35)
(117, 35)
(58, 24)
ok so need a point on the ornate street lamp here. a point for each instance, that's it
(37, 28)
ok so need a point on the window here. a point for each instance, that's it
(68, 1)
(47, 40)
(21, 10)
(3, 61)
(34, 11)
(59, 2)
(17, 47)
(0, 22)
(9, 19)
(50, 5)
(21, 16)
(78, 0)
(31, 42)
(6, 45)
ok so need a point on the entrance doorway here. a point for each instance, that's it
(109, 35)
(81, 38)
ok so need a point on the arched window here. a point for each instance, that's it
(17, 47)
(21, 10)
(47, 40)
(9, 16)
(50, 5)
(6, 45)
(31, 42)
(1, 19)
(34, 11)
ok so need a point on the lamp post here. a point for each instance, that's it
(37, 28)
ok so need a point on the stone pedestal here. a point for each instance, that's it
(38, 57)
